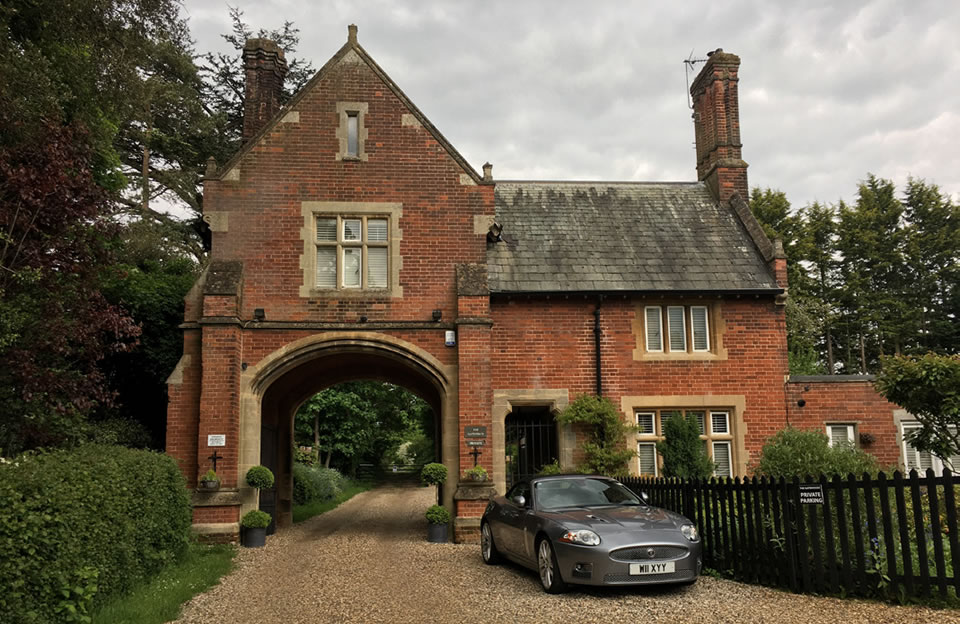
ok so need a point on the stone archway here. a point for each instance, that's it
(271, 392)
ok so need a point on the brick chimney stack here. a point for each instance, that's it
(716, 116)
(264, 68)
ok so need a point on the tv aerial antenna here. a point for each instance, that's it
(690, 65)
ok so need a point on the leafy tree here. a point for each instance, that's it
(606, 449)
(870, 241)
(223, 77)
(358, 421)
(932, 257)
(56, 326)
(928, 387)
(149, 285)
(682, 450)
(794, 453)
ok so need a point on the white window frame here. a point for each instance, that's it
(341, 244)
(653, 422)
(851, 432)
(683, 329)
(726, 417)
(936, 462)
(706, 329)
(656, 458)
(713, 454)
(646, 327)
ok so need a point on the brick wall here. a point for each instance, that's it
(549, 343)
(846, 399)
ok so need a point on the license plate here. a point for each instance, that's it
(655, 567)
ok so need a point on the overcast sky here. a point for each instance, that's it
(556, 90)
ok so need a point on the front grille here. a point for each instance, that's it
(680, 575)
(639, 553)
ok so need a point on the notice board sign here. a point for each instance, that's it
(811, 494)
(475, 432)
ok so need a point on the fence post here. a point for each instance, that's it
(949, 501)
(935, 533)
(889, 545)
(787, 516)
(903, 524)
(921, 533)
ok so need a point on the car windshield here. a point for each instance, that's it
(582, 492)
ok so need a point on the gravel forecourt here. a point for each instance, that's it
(369, 561)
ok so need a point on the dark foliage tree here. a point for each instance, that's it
(682, 449)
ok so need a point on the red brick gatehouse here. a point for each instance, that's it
(350, 240)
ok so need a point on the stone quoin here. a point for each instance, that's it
(350, 240)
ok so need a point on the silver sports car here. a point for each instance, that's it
(588, 530)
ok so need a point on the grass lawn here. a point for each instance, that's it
(315, 508)
(160, 600)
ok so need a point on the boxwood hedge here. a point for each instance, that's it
(79, 526)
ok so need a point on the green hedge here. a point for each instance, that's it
(312, 483)
(80, 526)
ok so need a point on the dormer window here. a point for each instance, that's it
(351, 133)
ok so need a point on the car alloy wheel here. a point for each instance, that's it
(487, 548)
(547, 566)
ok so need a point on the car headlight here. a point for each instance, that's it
(690, 532)
(583, 536)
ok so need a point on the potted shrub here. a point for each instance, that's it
(477, 473)
(260, 477)
(433, 474)
(254, 524)
(209, 482)
(438, 518)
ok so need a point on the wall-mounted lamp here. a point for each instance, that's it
(363, 319)
(259, 314)
(494, 232)
(801, 403)
(437, 315)
(243, 366)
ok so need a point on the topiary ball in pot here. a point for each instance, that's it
(439, 518)
(260, 477)
(433, 474)
(254, 524)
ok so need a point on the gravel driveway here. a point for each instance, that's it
(369, 561)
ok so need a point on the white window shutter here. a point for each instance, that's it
(645, 423)
(326, 267)
(647, 453)
(327, 230)
(719, 422)
(377, 230)
(654, 335)
(677, 328)
(377, 267)
(700, 328)
(721, 457)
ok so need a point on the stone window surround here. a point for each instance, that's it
(311, 210)
(733, 404)
(716, 328)
(503, 403)
(343, 111)
(709, 435)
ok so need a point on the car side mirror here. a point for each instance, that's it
(645, 498)
(520, 500)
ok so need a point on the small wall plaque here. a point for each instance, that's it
(476, 442)
(451, 338)
(474, 432)
(217, 440)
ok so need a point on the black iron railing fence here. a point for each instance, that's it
(870, 536)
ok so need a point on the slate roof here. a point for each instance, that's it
(629, 237)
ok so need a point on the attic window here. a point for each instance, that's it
(351, 133)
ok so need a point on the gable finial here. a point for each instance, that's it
(352, 34)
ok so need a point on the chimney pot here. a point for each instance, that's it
(352, 34)
(487, 172)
